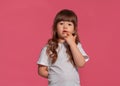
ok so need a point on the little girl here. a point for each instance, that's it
(63, 54)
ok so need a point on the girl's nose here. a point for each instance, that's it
(65, 26)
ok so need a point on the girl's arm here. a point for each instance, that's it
(43, 71)
(77, 56)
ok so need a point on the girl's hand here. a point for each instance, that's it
(69, 38)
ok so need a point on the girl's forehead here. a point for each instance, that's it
(66, 21)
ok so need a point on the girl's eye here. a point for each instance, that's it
(70, 24)
(61, 23)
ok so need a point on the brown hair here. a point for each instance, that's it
(63, 15)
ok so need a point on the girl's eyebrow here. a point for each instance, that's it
(68, 21)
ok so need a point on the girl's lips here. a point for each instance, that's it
(65, 31)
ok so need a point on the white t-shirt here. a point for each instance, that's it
(62, 72)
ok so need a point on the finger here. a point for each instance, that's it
(65, 35)
(75, 37)
(69, 33)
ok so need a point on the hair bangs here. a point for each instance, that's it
(66, 18)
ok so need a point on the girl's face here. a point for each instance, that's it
(63, 27)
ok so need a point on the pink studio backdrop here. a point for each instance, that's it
(25, 26)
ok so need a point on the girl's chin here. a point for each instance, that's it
(64, 35)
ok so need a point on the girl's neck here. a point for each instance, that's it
(61, 40)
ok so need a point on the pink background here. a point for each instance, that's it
(25, 26)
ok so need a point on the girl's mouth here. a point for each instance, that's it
(65, 31)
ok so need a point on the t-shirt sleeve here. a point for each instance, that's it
(83, 52)
(43, 58)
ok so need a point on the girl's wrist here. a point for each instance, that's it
(72, 44)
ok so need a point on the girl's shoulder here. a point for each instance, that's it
(44, 47)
